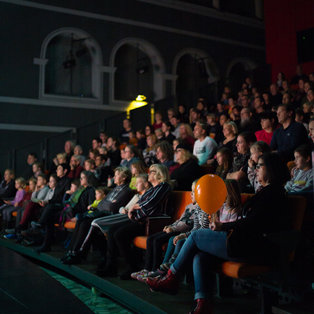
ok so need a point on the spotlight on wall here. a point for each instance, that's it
(137, 103)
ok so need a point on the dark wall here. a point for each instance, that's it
(23, 29)
(283, 19)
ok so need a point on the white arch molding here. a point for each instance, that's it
(157, 63)
(211, 67)
(97, 67)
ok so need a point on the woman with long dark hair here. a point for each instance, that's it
(241, 240)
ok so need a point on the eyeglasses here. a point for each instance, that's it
(152, 171)
(259, 166)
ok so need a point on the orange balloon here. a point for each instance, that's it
(210, 193)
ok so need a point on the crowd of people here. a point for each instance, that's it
(258, 141)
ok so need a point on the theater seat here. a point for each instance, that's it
(242, 270)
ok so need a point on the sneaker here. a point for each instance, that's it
(36, 225)
(142, 272)
(12, 230)
(155, 274)
(10, 236)
(165, 266)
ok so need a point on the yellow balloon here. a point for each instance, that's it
(210, 193)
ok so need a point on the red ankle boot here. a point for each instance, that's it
(168, 283)
(202, 307)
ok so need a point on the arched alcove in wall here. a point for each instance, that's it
(139, 69)
(197, 76)
(70, 66)
(237, 71)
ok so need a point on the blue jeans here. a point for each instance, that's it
(173, 250)
(199, 242)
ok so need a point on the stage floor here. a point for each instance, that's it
(26, 288)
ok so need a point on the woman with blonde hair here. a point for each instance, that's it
(120, 236)
(230, 132)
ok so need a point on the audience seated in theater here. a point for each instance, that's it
(302, 174)
(223, 119)
(11, 232)
(100, 226)
(148, 130)
(230, 132)
(60, 158)
(194, 116)
(299, 117)
(96, 143)
(268, 125)
(263, 213)
(158, 120)
(137, 168)
(141, 140)
(224, 158)
(300, 95)
(247, 122)
(164, 154)
(166, 129)
(115, 199)
(124, 134)
(175, 124)
(236, 115)
(113, 151)
(175, 243)
(155, 242)
(131, 155)
(186, 170)
(160, 135)
(9, 207)
(307, 110)
(183, 117)
(7, 186)
(171, 113)
(240, 160)
(89, 165)
(257, 149)
(120, 236)
(229, 212)
(102, 172)
(39, 199)
(132, 138)
(214, 130)
(75, 167)
(275, 96)
(149, 153)
(37, 169)
(68, 150)
(93, 153)
(70, 199)
(51, 211)
(78, 152)
(103, 136)
(290, 135)
(204, 147)
(28, 172)
(186, 135)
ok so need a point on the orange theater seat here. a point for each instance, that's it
(178, 200)
(14, 214)
(242, 270)
(69, 225)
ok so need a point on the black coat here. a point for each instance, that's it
(264, 213)
(185, 174)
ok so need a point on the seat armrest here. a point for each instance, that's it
(156, 224)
